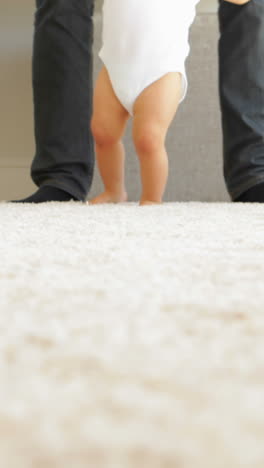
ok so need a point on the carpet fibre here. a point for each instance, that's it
(132, 337)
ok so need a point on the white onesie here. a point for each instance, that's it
(144, 40)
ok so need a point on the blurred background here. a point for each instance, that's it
(197, 165)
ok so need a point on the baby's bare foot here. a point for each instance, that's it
(147, 202)
(107, 197)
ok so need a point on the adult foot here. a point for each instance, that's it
(107, 197)
(47, 193)
(253, 195)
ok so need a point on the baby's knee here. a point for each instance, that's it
(103, 136)
(148, 139)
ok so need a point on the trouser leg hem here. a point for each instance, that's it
(65, 187)
(252, 183)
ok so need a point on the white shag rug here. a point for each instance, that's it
(132, 337)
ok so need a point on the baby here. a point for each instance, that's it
(145, 45)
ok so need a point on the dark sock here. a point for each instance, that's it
(253, 195)
(47, 193)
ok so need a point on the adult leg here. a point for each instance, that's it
(62, 87)
(241, 56)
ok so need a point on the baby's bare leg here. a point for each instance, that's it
(154, 111)
(108, 125)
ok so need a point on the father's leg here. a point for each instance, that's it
(241, 52)
(62, 85)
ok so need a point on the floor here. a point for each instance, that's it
(132, 337)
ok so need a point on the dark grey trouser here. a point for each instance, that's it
(241, 56)
(62, 86)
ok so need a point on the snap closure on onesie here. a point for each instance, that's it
(143, 41)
